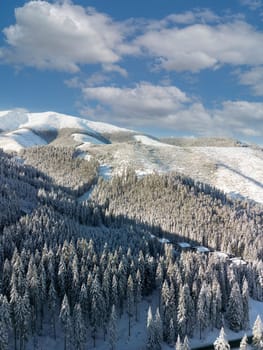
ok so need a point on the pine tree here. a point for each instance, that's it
(178, 344)
(257, 332)
(243, 343)
(186, 345)
(66, 322)
(130, 301)
(245, 299)
(182, 314)
(5, 322)
(52, 303)
(150, 343)
(221, 342)
(78, 328)
(235, 314)
(138, 294)
(113, 328)
(158, 329)
(171, 333)
(97, 308)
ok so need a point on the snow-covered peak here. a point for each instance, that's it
(16, 119)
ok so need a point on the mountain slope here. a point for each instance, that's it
(222, 163)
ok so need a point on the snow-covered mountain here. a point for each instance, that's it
(235, 169)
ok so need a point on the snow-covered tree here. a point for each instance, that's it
(66, 322)
(258, 333)
(158, 325)
(79, 329)
(221, 342)
(113, 328)
(151, 339)
(243, 343)
(235, 314)
(178, 344)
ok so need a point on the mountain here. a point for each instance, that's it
(226, 164)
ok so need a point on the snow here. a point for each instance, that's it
(239, 170)
(148, 141)
(105, 171)
(106, 128)
(19, 139)
(86, 139)
(184, 245)
(163, 240)
(138, 331)
(14, 119)
(201, 249)
(255, 308)
(237, 261)
(221, 255)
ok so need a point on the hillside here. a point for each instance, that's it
(223, 163)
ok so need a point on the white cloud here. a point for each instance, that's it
(252, 4)
(62, 36)
(143, 101)
(201, 46)
(169, 108)
(254, 79)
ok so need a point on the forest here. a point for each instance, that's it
(78, 266)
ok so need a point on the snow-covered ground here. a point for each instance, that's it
(19, 139)
(146, 140)
(137, 340)
(86, 139)
(236, 170)
(14, 119)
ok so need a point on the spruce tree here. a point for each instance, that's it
(113, 328)
(66, 321)
(221, 342)
(257, 332)
(235, 314)
(150, 342)
(243, 343)
(79, 329)
(130, 302)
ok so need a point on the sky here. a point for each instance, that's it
(165, 67)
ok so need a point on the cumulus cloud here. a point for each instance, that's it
(143, 101)
(252, 4)
(254, 79)
(201, 46)
(62, 36)
(169, 108)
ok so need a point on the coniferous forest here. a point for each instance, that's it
(77, 266)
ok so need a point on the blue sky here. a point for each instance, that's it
(160, 66)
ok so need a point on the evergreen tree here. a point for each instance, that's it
(138, 294)
(158, 328)
(52, 303)
(257, 332)
(221, 342)
(113, 328)
(235, 314)
(66, 322)
(178, 344)
(243, 343)
(150, 343)
(97, 308)
(186, 345)
(130, 301)
(79, 329)
(245, 299)
(171, 333)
